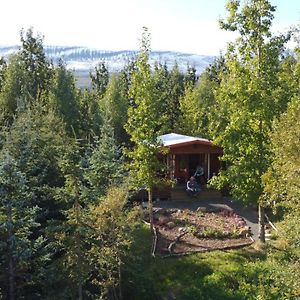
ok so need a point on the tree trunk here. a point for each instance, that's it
(80, 291)
(120, 280)
(261, 223)
(150, 203)
(78, 249)
(11, 279)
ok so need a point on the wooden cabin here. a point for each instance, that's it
(185, 153)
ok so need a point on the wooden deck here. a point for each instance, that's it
(180, 194)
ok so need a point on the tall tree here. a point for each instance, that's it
(34, 64)
(114, 107)
(17, 219)
(282, 193)
(27, 76)
(100, 79)
(176, 90)
(196, 106)
(3, 66)
(105, 162)
(90, 112)
(161, 79)
(112, 235)
(64, 98)
(144, 122)
(11, 98)
(247, 100)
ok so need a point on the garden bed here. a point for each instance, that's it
(185, 231)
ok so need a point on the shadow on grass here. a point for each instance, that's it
(213, 275)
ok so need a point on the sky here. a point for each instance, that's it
(189, 26)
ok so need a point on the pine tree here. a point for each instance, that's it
(37, 69)
(3, 66)
(27, 76)
(100, 79)
(114, 106)
(176, 90)
(64, 99)
(90, 112)
(105, 163)
(17, 219)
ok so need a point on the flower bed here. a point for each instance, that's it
(184, 231)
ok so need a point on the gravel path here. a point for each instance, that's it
(249, 214)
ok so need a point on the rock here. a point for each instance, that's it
(171, 225)
(163, 220)
(245, 231)
(201, 209)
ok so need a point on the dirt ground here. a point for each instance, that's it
(181, 231)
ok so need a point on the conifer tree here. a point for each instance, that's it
(27, 76)
(105, 163)
(64, 99)
(36, 67)
(114, 106)
(3, 66)
(176, 90)
(90, 112)
(100, 79)
(17, 219)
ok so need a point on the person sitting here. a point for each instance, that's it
(199, 174)
(192, 187)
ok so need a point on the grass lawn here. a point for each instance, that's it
(210, 275)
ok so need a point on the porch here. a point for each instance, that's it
(186, 153)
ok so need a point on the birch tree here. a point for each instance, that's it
(248, 100)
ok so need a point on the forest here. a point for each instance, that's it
(70, 159)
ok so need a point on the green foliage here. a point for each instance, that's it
(247, 98)
(175, 91)
(91, 119)
(27, 76)
(282, 193)
(114, 105)
(196, 106)
(64, 99)
(282, 180)
(144, 122)
(112, 235)
(18, 249)
(3, 66)
(235, 274)
(100, 79)
(34, 64)
(10, 95)
(105, 164)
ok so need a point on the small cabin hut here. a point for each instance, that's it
(185, 153)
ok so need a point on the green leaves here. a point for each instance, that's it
(144, 122)
(246, 100)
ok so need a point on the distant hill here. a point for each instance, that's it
(82, 60)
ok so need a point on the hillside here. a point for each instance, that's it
(82, 60)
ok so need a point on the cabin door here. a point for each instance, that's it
(194, 161)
